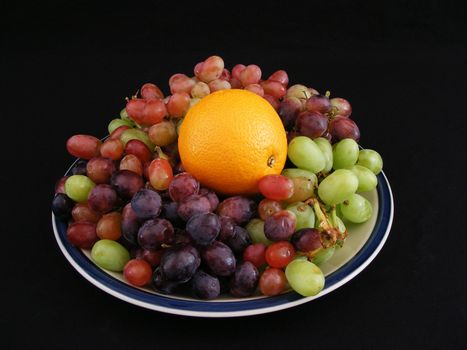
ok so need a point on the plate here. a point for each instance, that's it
(361, 246)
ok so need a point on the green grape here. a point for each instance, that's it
(136, 134)
(305, 154)
(255, 229)
(304, 277)
(367, 181)
(323, 255)
(110, 255)
(116, 123)
(338, 186)
(325, 147)
(356, 209)
(345, 154)
(124, 116)
(77, 187)
(370, 159)
(302, 190)
(304, 213)
(296, 172)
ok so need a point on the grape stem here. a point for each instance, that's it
(160, 153)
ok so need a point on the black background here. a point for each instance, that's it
(67, 68)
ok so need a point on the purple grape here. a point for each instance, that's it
(205, 286)
(79, 168)
(291, 135)
(219, 258)
(288, 111)
(306, 240)
(180, 263)
(245, 280)
(62, 205)
(280, 226)
(130, 224)
(240, 240)
(102, 198)
(169, 212)
(203, 228)
(181, 237)
(193, 205)
(318, 103)
(240, 209)
(211, 196)
(227, 228)
(154, 233)
(146, 204)
(311, 124)
(162, 284)
(126, 183)
(343, 128)
(182, 186)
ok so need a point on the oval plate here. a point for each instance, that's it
(361, 246)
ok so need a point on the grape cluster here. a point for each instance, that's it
(129, 200)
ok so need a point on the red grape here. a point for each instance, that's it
(112, 149)
(218, 84)
(150, 91)
(276, 187)
(281, 76)
(255, 88)
(83, 146)
(343, 128)
(154, 111)
(163, 133)
(137, 272)
(135, 108)
(211, 196)
(100, 169)
(240, 209)
(279, 254)
(115, 135)
(153, 257)
(280, 226)
(235, 83)
(211, 69)
(82, 234)
(109, 226)
(255, 254)
(102, 198)
(250, 75)
(318, 103)
(272, 100)
(200, 90)
(236, 70)
(181, 83)
(268, 207)
(341, 107)
(82, 212)
(139, 149)
(272, 281)
(178, 104)
(225, 75)
(160, 174)
(132, 163)
(311, 124)
(288, 110)
(126, 183)
(60, 185)
(307, 240)
(274, 88)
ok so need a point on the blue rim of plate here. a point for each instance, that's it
(200, 308)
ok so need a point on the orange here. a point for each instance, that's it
(231, 139)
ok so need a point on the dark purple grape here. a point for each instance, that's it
(181, 237)
(169, 212)
(306, 240)
(203, 228)
(240, 240)
(219, 258)
(318, 103)
(178, 168)
(280, 226)
(102, 198)
(79, 168)
(146, 204)
(130, 224)
(311, 124)
(211, 196)
(288, 111)
(162, 284)
(240, 209)
(62, 205)
(343, 128)
(205, 286)
(154, 233)
(227, 228)
(245, 280)
(172, 152)
(182, 186)
(126, 183)
(180, 263)
(193, 205)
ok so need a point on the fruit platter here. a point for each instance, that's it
(236, 194)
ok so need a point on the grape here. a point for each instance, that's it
(311, 124)
(171, 151)
(180, 263)
(299, 91)
(279, 254)
(325, 147)
(356, 209)
(267, 207)
(132, 163)
(160, 174)
(304, 214)
(345, 154)
(323, 255)
(227, 230)
(146, 204)
(154, 112)
(281, 76)
(112, 149)
(102, 198)
(211, 196)
(211, 69)
(225, 75)
(178, 104)
(182, 186)
(295, 172)
(288, 110)
(162, 284)
(255, 88)
(245, 280)
(319, 103)
(163, 133)
(251, 74)
(280, 226)
(83, 146)
(343, 128)
(181, 83)
(136, 134)
(200, 90)
(100, 169)
(124, 116)
(155, 232)
(82, 234)
(130, 224)
(150, 91)
(110, 255)
(80, 167)
(236, 70)
(203, 228)
(307, 240)
(116, 123)
(126, 183)
(304, 277)
(255, 229)
(77, 187)
(240, 240)
(205, 286)
(139, 149)
(370, 159)
(169, 212)
(62, 206)
(152, 257)
(272, 282)
(274, 102)
(305, 154)
(255, 253)
(303, 189)
(192, 205)
(137, 272)
(276, 187)
(117, 133)
(338, 186)
(239, 208)
(135, 108)
(367, 180)
(341, 107)
(109, 226)
(273, 88)
(82, 212)
(219, 84)
(219, 258)
(235, 83)
(60, 185)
